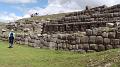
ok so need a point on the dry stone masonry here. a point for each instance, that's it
(90, 30)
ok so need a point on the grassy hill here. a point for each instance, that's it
(45, 17)
(53, 16)
(23, 56)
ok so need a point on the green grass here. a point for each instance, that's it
(23, 56)
(45, 17)
(52, 17)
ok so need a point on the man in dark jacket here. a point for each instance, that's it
(11, 39)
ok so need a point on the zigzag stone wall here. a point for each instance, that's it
(98, 39)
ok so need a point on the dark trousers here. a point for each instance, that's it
(11, 40)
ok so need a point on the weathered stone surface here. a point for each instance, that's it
(26, 41)
(117, 46)
(77, 40)
(74, 47)
(92, 39)
(52, 45)
(70, 37)
(99, 40)
(60, 46)
(105, 34)
(3, 30)
(111, 34)
(95, 31)
(89, 32)
(109, 47)
(73, 42)
(93, 47)
(106, 41)
(48, 39)
(110, 25)
(80, 46)
(86, 47)
(26, 30)
(58, 41)
(70, 47)
(118, 35)
(84, 39)
(101, 47)
(64, 37)
(115, 41)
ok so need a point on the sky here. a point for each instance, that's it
(11, 10)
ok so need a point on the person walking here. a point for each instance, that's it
(11, 38)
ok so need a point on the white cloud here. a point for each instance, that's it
(11, 17)
(83, 3)
(60, 6)
(18, 1)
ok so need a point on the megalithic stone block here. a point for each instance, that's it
(101, 47)
(86, 47)
(105, 34)
(93, 47)
(109, 47)
(99, 40)
(84, 39)
(118, 35)
(89, 32)
(106, 41)
(92, 39)
(112, 34)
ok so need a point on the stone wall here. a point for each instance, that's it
(86, 19)
(97, 39)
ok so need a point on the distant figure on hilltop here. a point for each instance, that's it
(11, 38)
(35, 14)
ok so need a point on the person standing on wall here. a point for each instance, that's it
(11, 38)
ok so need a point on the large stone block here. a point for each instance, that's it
(74, 47)
(73, 42)
(59, 46)
(48, 39)
(95, 31)
(86, 47)
(101, 47)
(99, 40)
(26, 41)
(109, 47)
(106, 41)
(117, 46)
(118, 35)
(71, 37)
(105, 34)
(110, 25)
(89, 32)
(70, 47)
(78, 40)
(114, 42)
(80, 46)
(112, 35)
(92, 39)
(93, 47)
(84, 39)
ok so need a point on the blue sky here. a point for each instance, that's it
(11, 10)
(17, 7)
